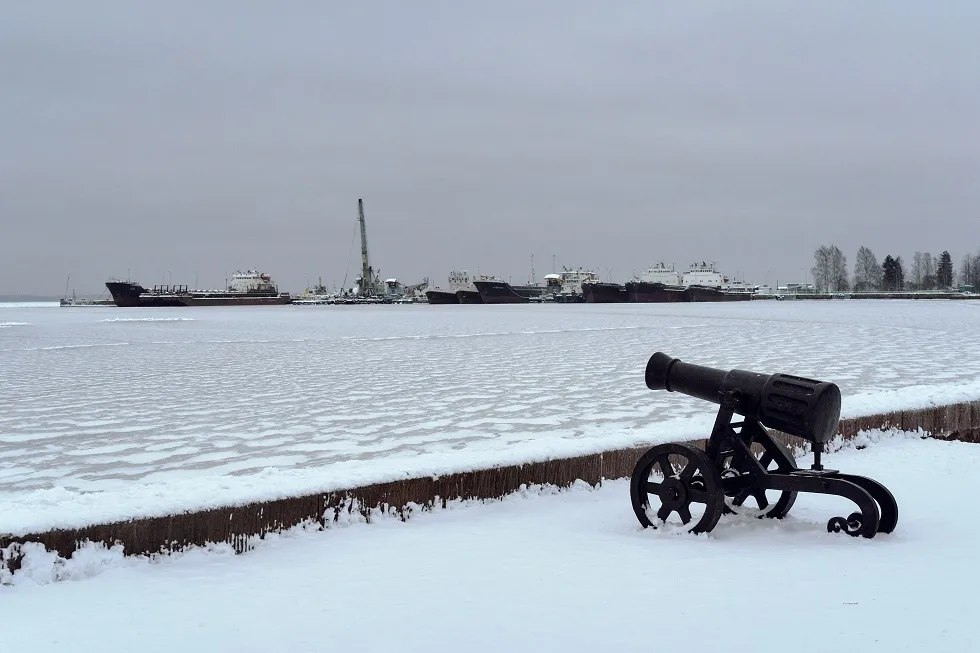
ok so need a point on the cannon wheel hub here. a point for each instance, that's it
(673, 493)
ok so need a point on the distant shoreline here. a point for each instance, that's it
(27, 298)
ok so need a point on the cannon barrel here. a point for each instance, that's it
(802, 407)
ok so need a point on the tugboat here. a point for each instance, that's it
(248, 288)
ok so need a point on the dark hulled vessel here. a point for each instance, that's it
(707, 294)
(247, 289)
(469, 297)
(441, 297)
(654, 292)
(601, 292)
(460, 291)
(501, 292)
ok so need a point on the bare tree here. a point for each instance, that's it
(821, 269)
(970, 270)
(837, 281)
(867, 272)
(917, 271)
(928, 272)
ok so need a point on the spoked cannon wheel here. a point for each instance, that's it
(775, 457)
(657, 488)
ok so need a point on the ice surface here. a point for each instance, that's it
(539, 573)
(209, 406)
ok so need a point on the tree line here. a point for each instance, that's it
(925, 272)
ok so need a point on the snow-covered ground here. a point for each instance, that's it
(111, 413)
(539, 573)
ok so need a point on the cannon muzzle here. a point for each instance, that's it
(802, 407)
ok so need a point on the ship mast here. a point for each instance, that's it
(367, 277)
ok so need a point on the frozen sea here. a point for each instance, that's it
(110, 412)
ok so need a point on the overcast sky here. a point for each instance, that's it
(194, 138)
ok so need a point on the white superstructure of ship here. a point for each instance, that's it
(568, 284)
(706, 275)
(661, 273)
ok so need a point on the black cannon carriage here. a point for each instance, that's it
(727, 473)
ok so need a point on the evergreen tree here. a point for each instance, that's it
(888, 277)
(944, 271)
(892, 274)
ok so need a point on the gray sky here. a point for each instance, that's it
(199, 137)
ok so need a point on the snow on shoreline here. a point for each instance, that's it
(912, 397)
(92, 558)
(35, 511)
(546, 571)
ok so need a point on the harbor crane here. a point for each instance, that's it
(368, 285)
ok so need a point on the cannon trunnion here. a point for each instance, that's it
(670, 478)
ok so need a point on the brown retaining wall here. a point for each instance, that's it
(240, 525)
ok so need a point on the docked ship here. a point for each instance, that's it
(659, 283)
(703, 283)
(460, 291)
(469, 294)
(570, 284)
(709, 294)
(246, 289)
(602, 292)
(494, 291)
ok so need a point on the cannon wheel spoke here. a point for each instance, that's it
(652, 488)
(684, 514)
(769, 509)
(697, 482)
(688, 472)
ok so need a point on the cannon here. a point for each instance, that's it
(741, 460)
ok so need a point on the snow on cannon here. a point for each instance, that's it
(672, 477)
